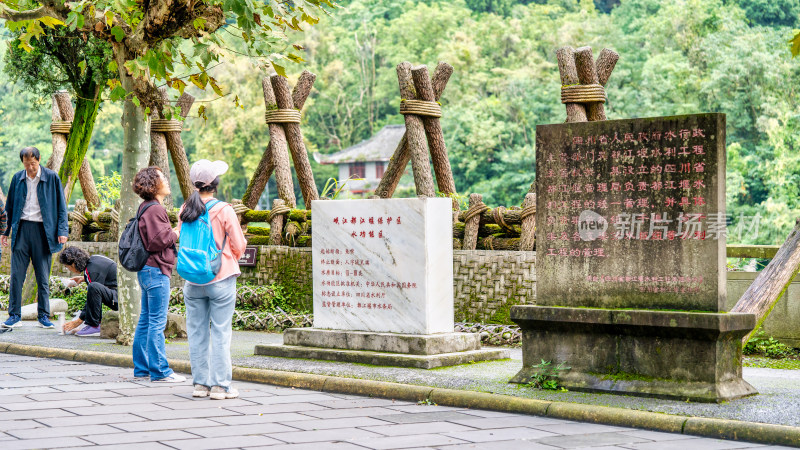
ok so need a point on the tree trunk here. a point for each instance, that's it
(302, 167)
(401, 156)
(78, 144)
(279, 150)
(136, 151)
(576, 112)
(433, 130)
(772, 282)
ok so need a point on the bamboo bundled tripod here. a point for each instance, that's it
(583, 82)
(420, 96)
(166, 141)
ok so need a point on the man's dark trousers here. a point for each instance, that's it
(97, 295)
(30, 246)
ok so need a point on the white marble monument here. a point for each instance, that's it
(383, 265)
(383, 287)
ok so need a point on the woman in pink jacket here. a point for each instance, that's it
(209, 307)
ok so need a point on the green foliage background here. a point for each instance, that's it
(677, 57)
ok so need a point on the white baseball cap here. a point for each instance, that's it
(205, 171)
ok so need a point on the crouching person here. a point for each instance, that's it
(100, 275)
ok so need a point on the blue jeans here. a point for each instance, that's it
(149, 351)
(209, 312)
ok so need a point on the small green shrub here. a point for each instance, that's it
(761, 344)
(546, 376)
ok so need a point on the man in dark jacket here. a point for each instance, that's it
(37, 223)
(100, 275)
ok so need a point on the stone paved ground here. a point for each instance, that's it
(777, 402)
(48, 403)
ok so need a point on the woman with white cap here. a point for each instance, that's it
(209, 306)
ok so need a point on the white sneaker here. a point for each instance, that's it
(219, 393)
(200, 391)
(174, 378)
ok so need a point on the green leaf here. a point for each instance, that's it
(179, 85)
(215, 86)
(82, 66)
(109, 18)
(195, 79)
(135, 100)
(51, 22)
(72, 20)
(118, 32)
(112, 66)
(279, 69)
(795, 44)
(118, 93)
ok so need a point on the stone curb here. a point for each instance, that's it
(761, 433)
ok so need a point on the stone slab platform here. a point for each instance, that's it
(382, 358)
(412, 344)
(665, 354)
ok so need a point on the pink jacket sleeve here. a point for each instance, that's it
(236, 239)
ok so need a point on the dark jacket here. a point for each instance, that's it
(51, 202)
(158, 238)
(102, 270)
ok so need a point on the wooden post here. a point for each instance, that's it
(87, 185)
(772, 282)
(576, 112)
(159, 155)
(527, 236)
(113, 228)
(259, 179)
(77, 220)
(587, 74)
(471, 224)
(176, 150)
(433, 131)
(605, 64)
(294, 135)
(237, 206)
(397, 165)
(415, 134)
(279, 151)
(276, 222)
(62, 112)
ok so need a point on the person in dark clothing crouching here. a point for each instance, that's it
(100, 275)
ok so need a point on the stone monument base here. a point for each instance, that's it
(675, 355)
(382, 349)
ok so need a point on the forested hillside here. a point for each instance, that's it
(677, 57)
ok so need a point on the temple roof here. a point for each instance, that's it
(379, 147)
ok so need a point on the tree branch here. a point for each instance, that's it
(17, 16)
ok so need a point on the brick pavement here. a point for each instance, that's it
(63, 404)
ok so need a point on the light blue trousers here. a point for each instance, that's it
(209, 312)
(149, 350)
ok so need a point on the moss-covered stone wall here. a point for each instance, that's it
(486, 283)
